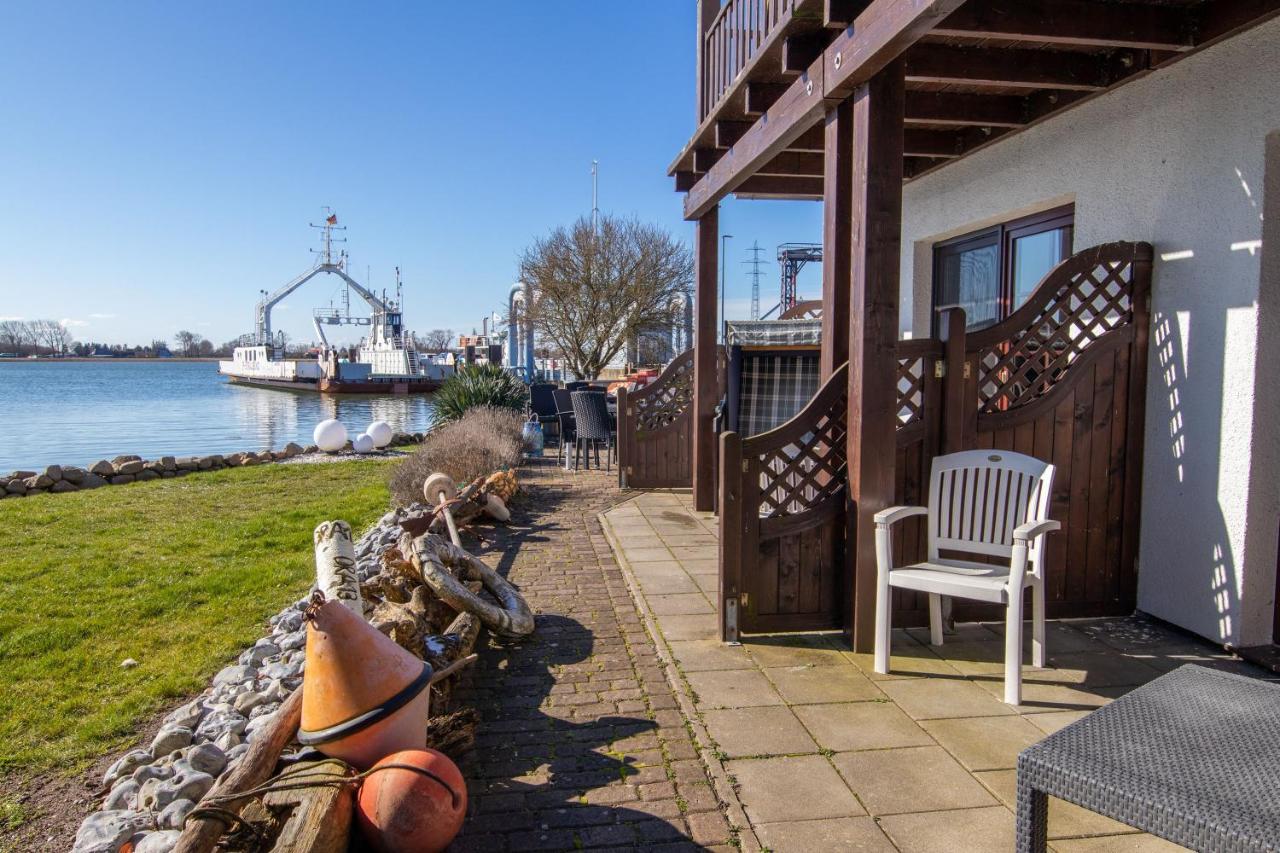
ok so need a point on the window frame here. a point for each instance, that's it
(1002, 236)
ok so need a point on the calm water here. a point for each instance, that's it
(75, 413)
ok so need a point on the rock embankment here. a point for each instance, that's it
(150, 790)
(130, 469)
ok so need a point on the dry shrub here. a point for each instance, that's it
(482, 441)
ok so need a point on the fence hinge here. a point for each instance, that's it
(744, 466)
(939, 369)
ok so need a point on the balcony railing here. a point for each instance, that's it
(732, 41)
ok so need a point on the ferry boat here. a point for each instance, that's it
(385, 362)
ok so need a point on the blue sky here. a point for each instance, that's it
(160, 161)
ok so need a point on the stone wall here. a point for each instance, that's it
(130, 469)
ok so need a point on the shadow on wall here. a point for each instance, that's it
(1186, 478)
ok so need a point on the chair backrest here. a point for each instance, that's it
(977, 498)
(591, 413)
(576, 385)
(563, 400)
(542, 398)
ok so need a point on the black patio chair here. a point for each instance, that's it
(542, 402)
(591, 415)
(564, 420)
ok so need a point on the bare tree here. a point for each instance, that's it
(437, 340)
(188, 342)
(205, 347)
(595, 288)
(14, 336)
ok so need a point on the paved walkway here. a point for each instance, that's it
(581, 743)
(827, 755)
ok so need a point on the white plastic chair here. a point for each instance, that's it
(981, 502)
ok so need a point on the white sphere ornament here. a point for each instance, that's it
(380, 432)
(329, 436)
(362, 443)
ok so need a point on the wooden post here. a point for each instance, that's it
(704, 360)
(625, 430)
(957, 405)
(731, 537)
(837, 236)
(873, 327)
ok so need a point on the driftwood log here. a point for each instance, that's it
(253, 768)
(445, 567)
(316, 819)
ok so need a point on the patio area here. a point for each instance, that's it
(825, 754)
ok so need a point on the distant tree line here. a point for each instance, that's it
(51, 338)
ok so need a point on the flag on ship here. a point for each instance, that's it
(332, 219)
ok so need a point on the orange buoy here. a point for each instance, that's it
(417, 807)
(363, 696)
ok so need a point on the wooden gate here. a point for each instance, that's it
(1062, 379)
(782, 516)
(655, 430)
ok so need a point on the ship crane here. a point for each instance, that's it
(383, 311)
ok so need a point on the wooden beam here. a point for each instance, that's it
(837, 237)
(707, 264)
(873, 329)
(838, 14)
(729, 132)
(685, 181)
(801, 107)
(932, 143)
(878, 36)
(781, 186)
(960, 109)
(800, 51)
(793, 165)
(704, 159)
(1008, 67)
(811, 141)
(761, 96)
(1074, 22)
(915, 166)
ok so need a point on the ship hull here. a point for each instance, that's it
(331, 386)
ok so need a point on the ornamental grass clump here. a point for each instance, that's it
(478, 385)
(482, 441)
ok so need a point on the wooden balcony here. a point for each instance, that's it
(975, 71)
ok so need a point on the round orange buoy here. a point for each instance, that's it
(363, 697)
(404, 810)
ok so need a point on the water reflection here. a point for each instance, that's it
(78, 412)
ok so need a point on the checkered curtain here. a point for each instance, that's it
(774, 387)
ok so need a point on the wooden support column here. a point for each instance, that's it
(704, 359)
(873, 329)
(837, 235)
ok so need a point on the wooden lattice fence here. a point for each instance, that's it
(1062, 379)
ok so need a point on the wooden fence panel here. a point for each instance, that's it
(655, 430)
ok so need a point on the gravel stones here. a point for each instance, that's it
(105, 832)
(235, 675)
(170, 739)
(174, 814)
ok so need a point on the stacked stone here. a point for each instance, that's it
(130, 469)
(152, 790)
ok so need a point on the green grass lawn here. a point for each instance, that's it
(178, 574)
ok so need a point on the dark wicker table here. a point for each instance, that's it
(1193, 757)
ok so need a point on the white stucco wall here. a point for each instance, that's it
(1175, 159)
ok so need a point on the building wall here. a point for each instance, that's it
(1175, 159)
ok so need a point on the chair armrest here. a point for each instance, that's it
(1031, 529)
(894, 514)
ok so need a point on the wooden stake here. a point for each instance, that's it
(254, 767)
